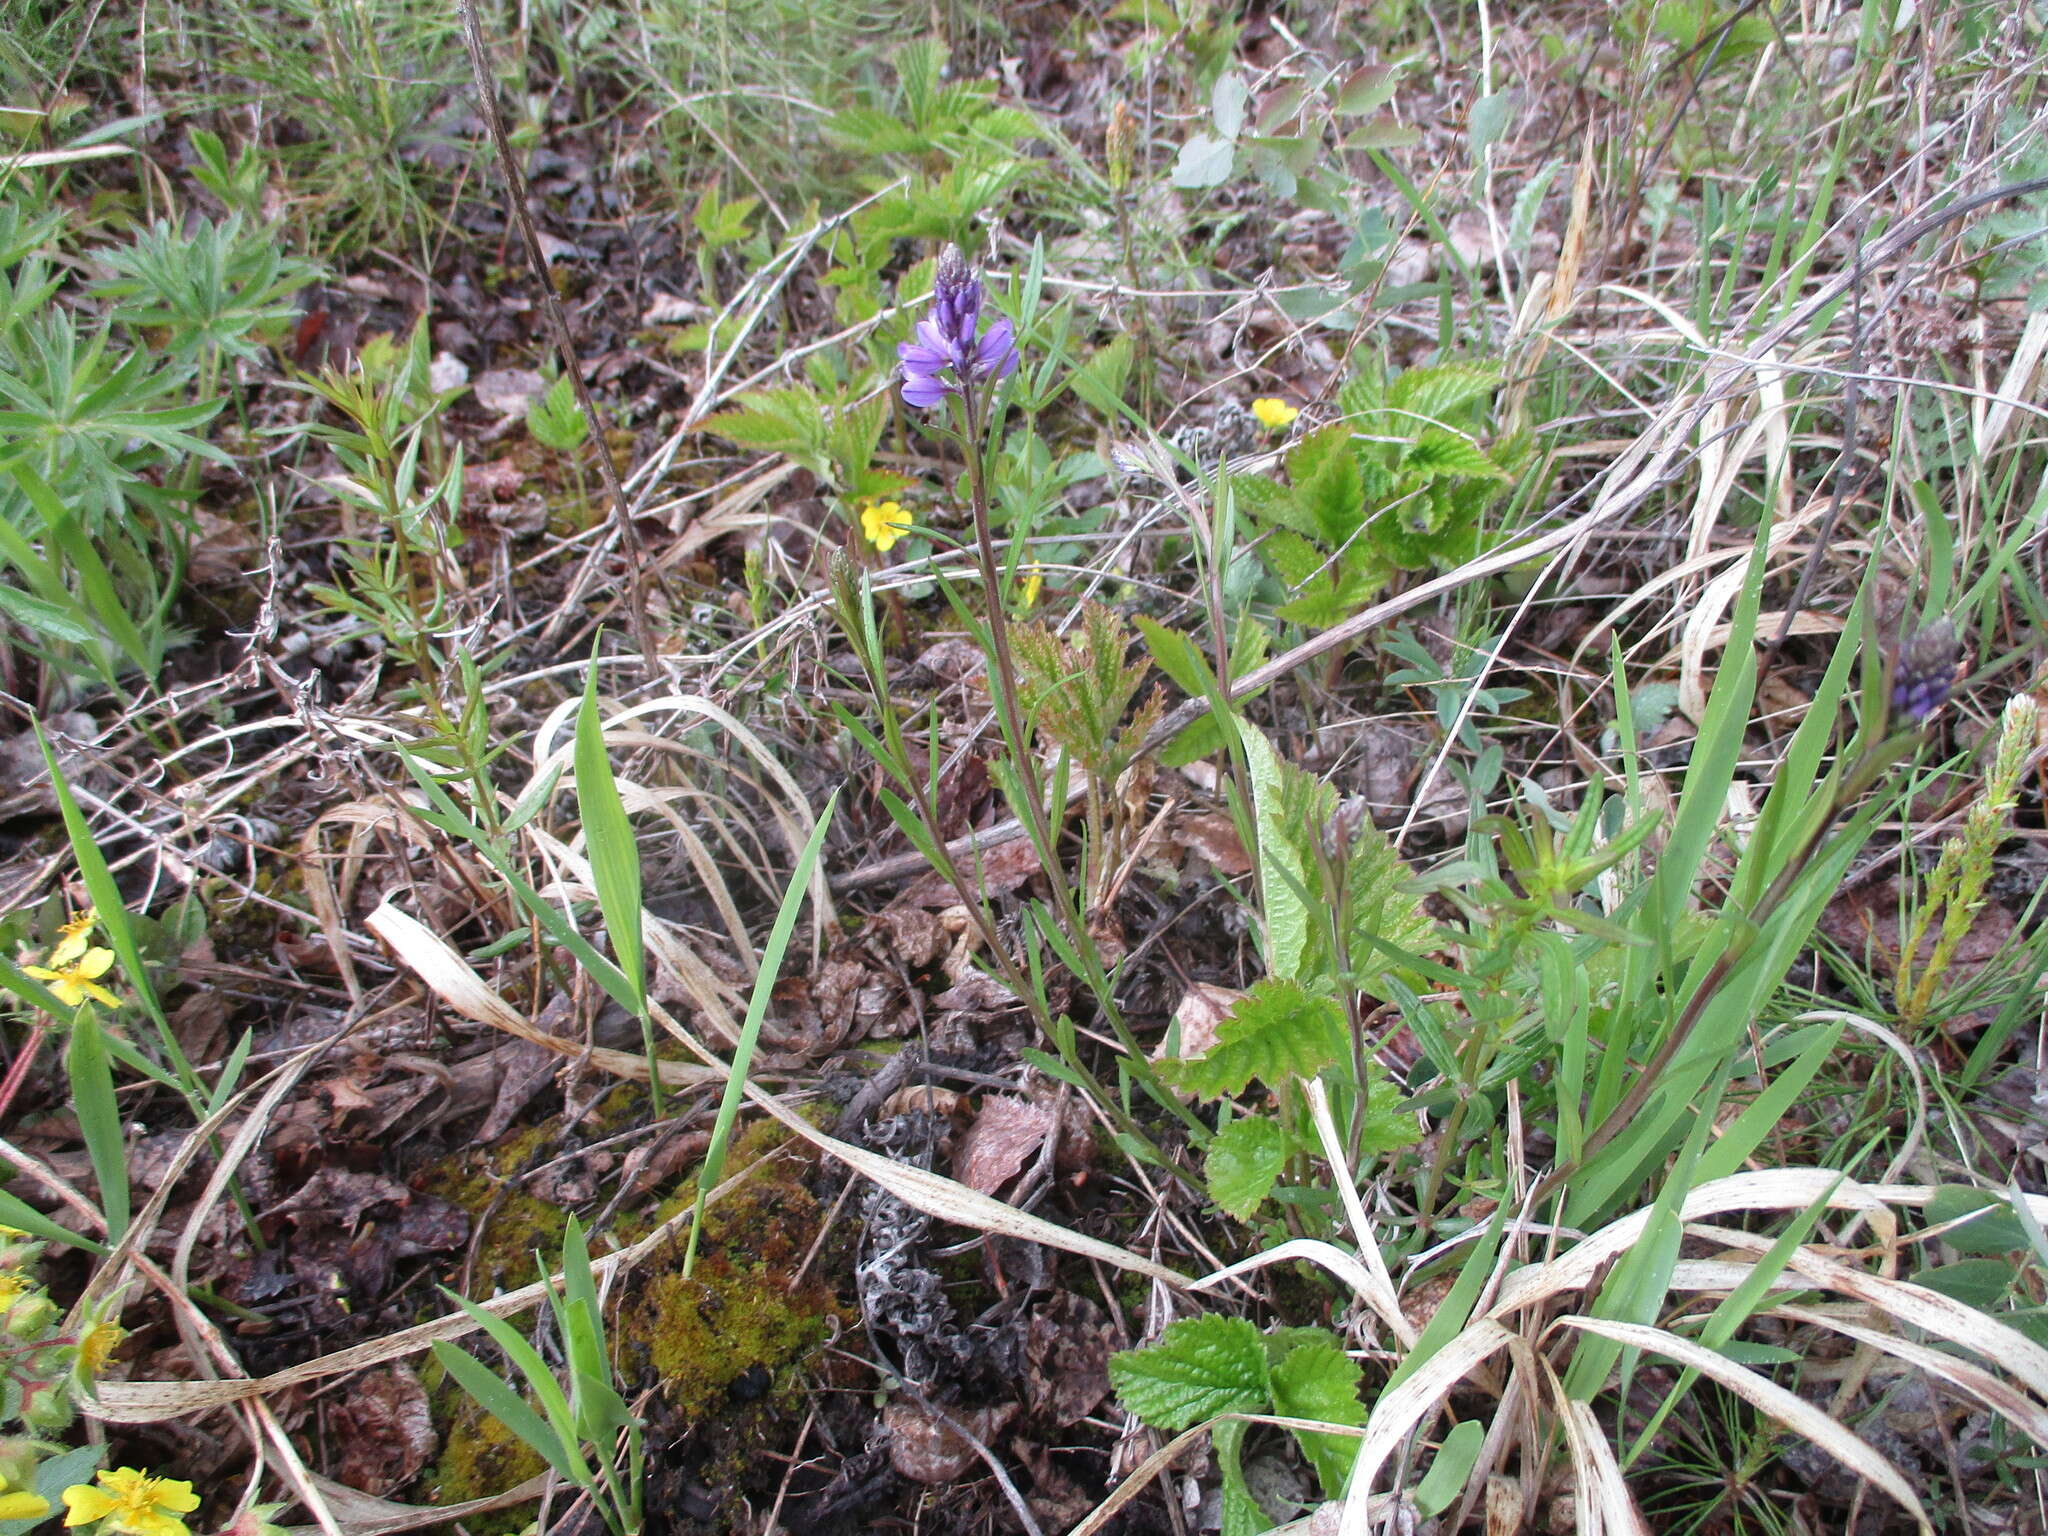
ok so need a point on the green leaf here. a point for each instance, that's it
(1279, 1031)
(1447, 1474)
(1439, 455)
(47, 620)
(1365, 89)
(511, 1410)
(1283, 876)
(1980, 1283)
(608, 840)
(1317, 1380)
(67, 1469)
(555, 419)
(99, 1116)
(1227, 100)
(1201, 1366)
(1242, 1163)
(1995, 1230)
(1491, 117)
(1101, 381)
(757, 1012)
(1203, 162)
(23, 1217)
(1438, 393)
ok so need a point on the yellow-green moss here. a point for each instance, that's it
(479, 1457)
(743, 1306)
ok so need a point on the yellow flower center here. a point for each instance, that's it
(78, 978)
(97, 1346)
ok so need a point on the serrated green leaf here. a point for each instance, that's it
(1279, 1032)
(1243, 1160)
(1201, 1366)
(1317, 1380)
(1101, 381)
(1436, 454)
(1437, 393)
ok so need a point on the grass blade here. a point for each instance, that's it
(750, 1030)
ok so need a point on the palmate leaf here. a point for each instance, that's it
(1201, 1366)
(786, 421)
(1278, 1032)
(1339, 592)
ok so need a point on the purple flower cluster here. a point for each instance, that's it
(1926, 671)
(947, 357)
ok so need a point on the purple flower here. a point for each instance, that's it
(1926, 671)
(947, 357)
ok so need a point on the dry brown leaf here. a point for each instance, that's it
(385, 1430)
(1202, 1008)
(1003, 1140)
(1066, 1354)
(925, 1450)
(993, 871)
(1214, 836)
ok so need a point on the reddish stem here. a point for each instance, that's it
(23, 1059)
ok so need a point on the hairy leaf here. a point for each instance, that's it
(1201, 1366)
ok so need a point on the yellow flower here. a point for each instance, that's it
(884, 522)
(73, 942)
(20, 1504)
(12, 1289)
(1034, 584)
(131, 1500)
(1274, 414)
(96, 1346)
(79, 979)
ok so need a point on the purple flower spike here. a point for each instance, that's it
(1926, 671)
(947, 356)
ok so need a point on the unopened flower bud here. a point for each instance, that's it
(1118, 142)
(31, 1316)
(1926, 671)
(47, 1407)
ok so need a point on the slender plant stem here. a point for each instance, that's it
(637, 565)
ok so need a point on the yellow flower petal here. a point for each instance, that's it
(884, 522)
(170, 1493)
(1273, 414)
(151, 1522)
(86, 1504)
(97, 963)
(23, 1506)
